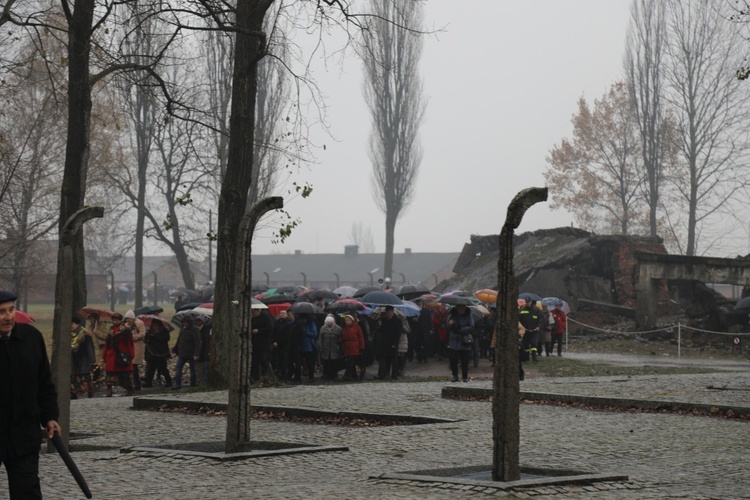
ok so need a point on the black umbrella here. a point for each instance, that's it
(313, 295)
(455, 300)
(305, 308)
(345, 305)
(72, 467)
(411, 290)
(365, 290)
(189, 306)
(534, 297)
(277, 299)
(381, 298)
(148, 310)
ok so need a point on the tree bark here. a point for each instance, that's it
(249, 49)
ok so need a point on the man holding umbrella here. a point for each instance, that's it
(29, 401)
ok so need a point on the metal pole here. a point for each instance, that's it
(156, 288)
(679, 339)
(304, 278)
(338, 280)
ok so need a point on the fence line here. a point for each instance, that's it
(678, 326)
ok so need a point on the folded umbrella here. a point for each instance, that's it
(72, 467)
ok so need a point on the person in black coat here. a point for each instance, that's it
(282, 336)
(262, 335)
(28, 401)
(386, 344)
(157, 354)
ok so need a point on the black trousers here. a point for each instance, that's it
(388, 365)
(557, 337)
(454, 357)
(23, 476)
(157, 366)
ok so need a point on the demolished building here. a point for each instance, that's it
(608, 273)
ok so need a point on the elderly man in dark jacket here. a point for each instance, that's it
(28, 401)
(188, 350)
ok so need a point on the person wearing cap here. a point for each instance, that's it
(530, 318)
(138, 330)
(28, 401)
(82, 357)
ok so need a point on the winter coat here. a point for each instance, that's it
(530, 318)
(307, 333)
(388, 335)
(352, 340)
(561, 320)
(119, 340)
(262, 340)
(403, 342)
(138, 330)
(463, 324)
(157, 345)
(27, 394)
(82, 354)
(329, 339)
(188, 344)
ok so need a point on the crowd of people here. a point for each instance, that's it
(292, 348)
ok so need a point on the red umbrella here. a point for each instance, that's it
(22, 317)
(207, 305)
(275, 309)
(101, 311)
(150, 318)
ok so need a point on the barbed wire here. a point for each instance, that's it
(663, 329)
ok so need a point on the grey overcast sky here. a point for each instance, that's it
(502, 81)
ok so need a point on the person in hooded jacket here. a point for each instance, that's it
(119, 341)
(188, 350)
(460, 328)
(304, 335)
(352, 345)
(157, 354)
(281, 346)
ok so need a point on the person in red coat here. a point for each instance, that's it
(352, 345)
(558, 329)
(119, 342)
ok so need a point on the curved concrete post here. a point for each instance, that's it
(60, 362)
(505, 420)
(238, 410)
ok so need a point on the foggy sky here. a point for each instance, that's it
(501, 81)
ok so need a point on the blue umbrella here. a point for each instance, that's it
(381, 298)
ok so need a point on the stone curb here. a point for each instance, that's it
(625, 403)
(149, 403)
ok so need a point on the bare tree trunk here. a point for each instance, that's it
(77, 145)
(249, 49)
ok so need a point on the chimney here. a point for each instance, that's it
(351, 250)
(407, 251)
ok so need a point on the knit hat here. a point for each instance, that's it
(350, 317)
(330, 320)
(6, 296)
(117, 316)
(129, 314)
